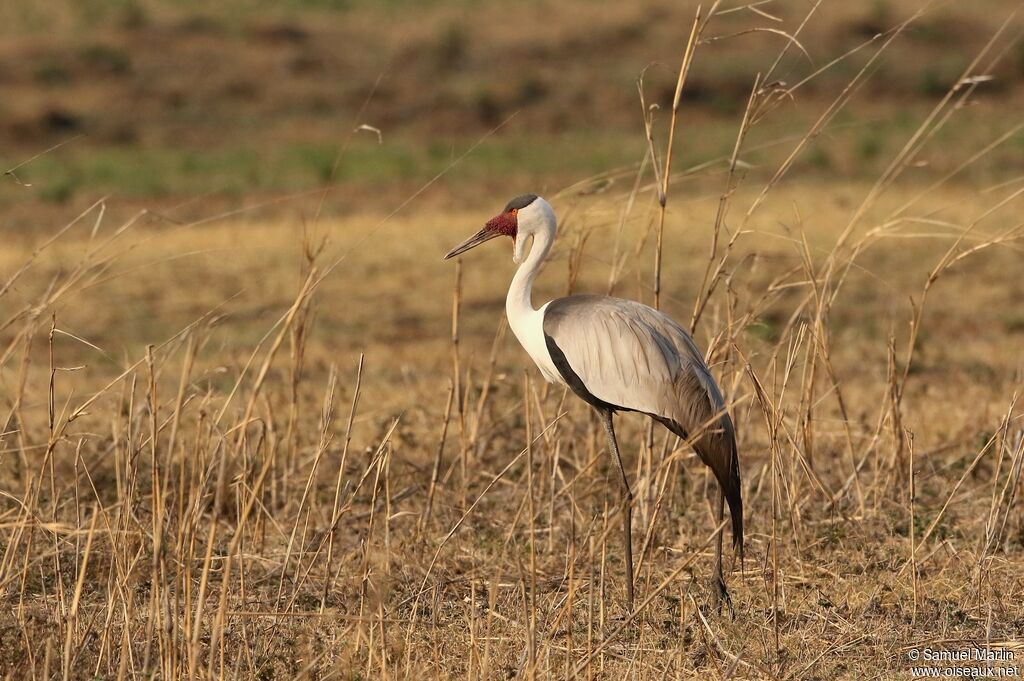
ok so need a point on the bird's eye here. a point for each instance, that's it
(513, 211)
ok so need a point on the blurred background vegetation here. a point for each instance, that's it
(190, 107)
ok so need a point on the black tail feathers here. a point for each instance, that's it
(728, 477)
(718, 451)
(734, 497)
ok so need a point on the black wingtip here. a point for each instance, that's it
(734, 496)
(736, 513)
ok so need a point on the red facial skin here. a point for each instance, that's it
(505, 223)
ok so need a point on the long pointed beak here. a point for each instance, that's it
(485, 234)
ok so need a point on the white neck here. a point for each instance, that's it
(519, 302)
(527, 323)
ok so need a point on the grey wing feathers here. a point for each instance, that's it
(631, 356)
(634, 357)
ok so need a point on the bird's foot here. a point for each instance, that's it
(720, 595)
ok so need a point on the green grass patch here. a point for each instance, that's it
(850, 151)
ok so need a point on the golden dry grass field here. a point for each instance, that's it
(272, 434)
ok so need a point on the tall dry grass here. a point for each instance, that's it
(204, 512)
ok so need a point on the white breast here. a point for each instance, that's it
(528, 327)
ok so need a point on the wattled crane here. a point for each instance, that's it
(619, 355)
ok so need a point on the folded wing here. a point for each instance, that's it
(623, 355)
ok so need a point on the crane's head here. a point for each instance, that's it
(524, 216)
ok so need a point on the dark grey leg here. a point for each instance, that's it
(627, 503)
